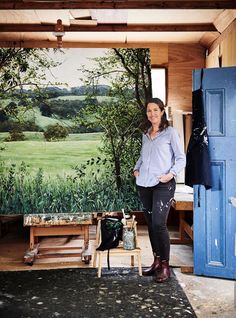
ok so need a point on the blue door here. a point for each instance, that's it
(215, 209)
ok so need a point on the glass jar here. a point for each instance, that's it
(128, 238)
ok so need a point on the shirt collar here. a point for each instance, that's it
(160, 133)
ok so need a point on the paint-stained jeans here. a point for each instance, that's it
(156, 203)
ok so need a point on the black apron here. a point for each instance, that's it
(198, 167)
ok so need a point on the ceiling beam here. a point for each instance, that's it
(116, 4)
(224, 19)
(53, 44)
(208, 38)
(15, 27)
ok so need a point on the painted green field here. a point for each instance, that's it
(53, 157)
(43, 121)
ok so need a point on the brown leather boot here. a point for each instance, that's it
(164, 275)
(155, 267)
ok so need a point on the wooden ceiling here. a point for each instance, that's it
(107, 23)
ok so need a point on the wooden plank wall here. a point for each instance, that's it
(180, 60)
(226, 50)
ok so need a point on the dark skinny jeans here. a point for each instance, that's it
(156, 203)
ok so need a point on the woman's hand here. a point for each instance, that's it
(166, 177)
(136, 173)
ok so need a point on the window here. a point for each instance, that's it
(159, 83)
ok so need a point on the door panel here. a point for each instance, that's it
(215, 221)
(214, 213)
(215, 112)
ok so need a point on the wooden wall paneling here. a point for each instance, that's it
(187, 129)
(178, 124)
(186, 55)
(179, 89)
(223, 36)
(228, 49)
(159, 54)
(182, 60)
(212, 60)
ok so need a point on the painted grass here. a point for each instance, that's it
(53, 157)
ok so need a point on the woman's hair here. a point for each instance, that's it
(164, 121)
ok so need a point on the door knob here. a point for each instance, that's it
(232, 200)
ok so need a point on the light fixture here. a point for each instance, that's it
(59, 32)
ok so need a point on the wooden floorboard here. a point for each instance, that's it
(13, 246)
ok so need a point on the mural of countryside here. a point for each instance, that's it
(70, 128)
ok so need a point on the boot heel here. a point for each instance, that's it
(164, 274)
(155, 267)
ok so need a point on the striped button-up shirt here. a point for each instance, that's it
(159, 156)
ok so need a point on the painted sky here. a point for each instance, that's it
(72, 60)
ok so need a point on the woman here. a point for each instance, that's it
(161, 159)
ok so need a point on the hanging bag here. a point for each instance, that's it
(111, 234)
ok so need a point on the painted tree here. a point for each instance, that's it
(129, 72)
(22, 69)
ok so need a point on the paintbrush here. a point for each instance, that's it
(124, 219)
(132, 223)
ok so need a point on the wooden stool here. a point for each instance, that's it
(118, 251)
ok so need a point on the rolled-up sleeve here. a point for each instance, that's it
(138, 164)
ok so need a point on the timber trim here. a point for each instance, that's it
(222, 37)
(26, 27)
(77, 44)
(224, 19)
(112, 4)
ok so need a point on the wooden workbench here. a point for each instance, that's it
(183, 205)
(53, 225)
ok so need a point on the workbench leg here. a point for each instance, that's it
(86, 237)
(31, 237)
(86, 255)
(181, 225)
